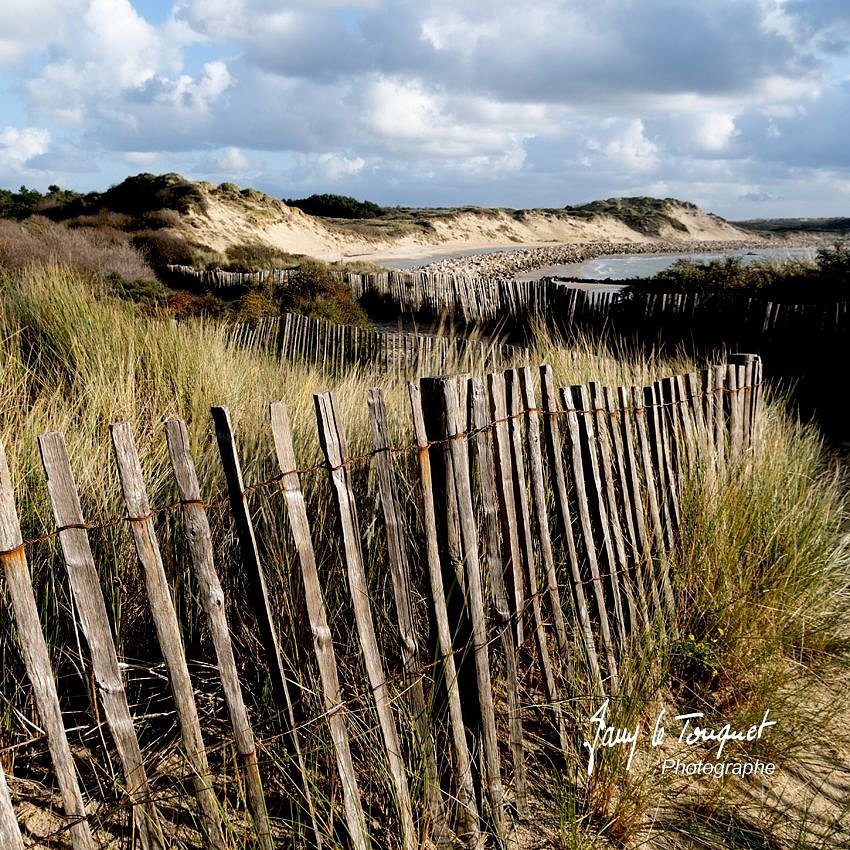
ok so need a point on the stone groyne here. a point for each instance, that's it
(512, 262)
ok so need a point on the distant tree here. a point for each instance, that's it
(19, 204)
(336, 206)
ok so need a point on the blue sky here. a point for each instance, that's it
(741, 106)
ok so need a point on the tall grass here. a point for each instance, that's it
(761, 577)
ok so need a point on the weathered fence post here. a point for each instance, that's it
(259, 592)
(430, 498)
(212, 600)
(36, 659)
(88, 598)
(572, 409)
(335, 448)
(322, 640)
(556, 461)
(495, 564)
(400, 574)
(10, 832)
(538, 492)
(441, 401)
(516, 413)
(511, 556)
(750, 388)
(167, 628)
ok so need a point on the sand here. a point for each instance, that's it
(234, 219)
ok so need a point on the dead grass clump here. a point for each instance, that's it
(93, 252)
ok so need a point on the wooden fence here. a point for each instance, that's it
(548, 519)
(299, 339)
(473, 299)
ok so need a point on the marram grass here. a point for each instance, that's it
(761, 575)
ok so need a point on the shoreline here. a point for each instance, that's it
(513, 262)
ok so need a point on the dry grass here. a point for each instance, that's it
(94, 252)
(764, 557)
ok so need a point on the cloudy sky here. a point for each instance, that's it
(742, 106)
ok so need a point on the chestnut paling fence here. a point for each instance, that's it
(547, 519)
(300, 339)
(472, 298)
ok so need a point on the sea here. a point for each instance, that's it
(628, 266)
(615, 266)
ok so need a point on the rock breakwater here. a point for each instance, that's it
(509, 263)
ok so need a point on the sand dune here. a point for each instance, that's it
(228, 220)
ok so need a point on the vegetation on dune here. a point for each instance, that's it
(825, 278)
(761, 575)
(336, 206)
(257, 256)
(782, 226)
(645, 215)
(94, 252)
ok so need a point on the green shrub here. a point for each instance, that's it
(163, 249)
(316, 292)
(256, 256)
(336, 206)
(254, 305)
(143, 291)
(795, 281)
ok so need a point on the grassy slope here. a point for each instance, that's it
(765, 558)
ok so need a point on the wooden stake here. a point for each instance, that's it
(524, 515)
(199, 539)
(440, 396)
(538, 492)
(10, 832)
(432, 497)
(501, 606)
(37, 661)
(94, 621)
(323, 647)
(167, 628)
(259, 595)
(400, 574)
(571, 409)
(556, 461)
(512, 556)
(335, 448)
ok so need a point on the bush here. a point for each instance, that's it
(94, 252)
(144, 291)
(795, 281)
(187, 305)
(255, 305)
(165, 249)
(316, 292)
(256, 256)
(336, 206)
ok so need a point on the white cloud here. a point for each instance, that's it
(232, 160)
(714, 131)
(629, 150)
(335, 166)
(32, 27)
(141, 157)
(196, 93)
(18, 147)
